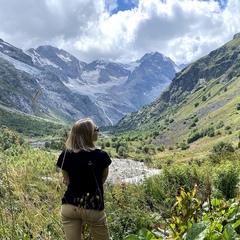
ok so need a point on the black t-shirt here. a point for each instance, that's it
(85, 171)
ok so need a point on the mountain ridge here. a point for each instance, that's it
(201, 90)
(69, 85)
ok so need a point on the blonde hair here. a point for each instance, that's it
(81, 136)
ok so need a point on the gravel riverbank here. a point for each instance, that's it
(127, 170)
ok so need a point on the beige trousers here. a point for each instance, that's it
(73, 218)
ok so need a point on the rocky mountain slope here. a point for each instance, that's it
(51, 83)
(37, 91)
(201, 96)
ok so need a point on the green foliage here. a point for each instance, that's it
(193, 219)
(149, 149)
(58, 144)
(223, 146)
(196, 104)
(223, 223)
(184, 212)
(193, 125)
(226, 180)
(30, 187)
(161, 148)
(195, 119)
(143, 234)
(107, 144)
(238, 106)
(8, 138)
(184, 145)
(219, 124)
(122, 151)
(127, 210)
(29, 126)
(28, 195)
(195, 135)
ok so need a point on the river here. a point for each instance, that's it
(129, 171)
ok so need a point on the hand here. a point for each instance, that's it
(64, 181)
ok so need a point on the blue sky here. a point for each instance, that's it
(222, 3)
(121, 30)
(123, 5)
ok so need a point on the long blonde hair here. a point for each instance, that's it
(81, 136)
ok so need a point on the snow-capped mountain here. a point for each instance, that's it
(72, 89)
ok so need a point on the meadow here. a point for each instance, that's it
(197, 198)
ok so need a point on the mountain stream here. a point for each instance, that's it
(129, 171)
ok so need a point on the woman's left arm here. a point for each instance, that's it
(105, 174)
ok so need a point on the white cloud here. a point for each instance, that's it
(183, 30)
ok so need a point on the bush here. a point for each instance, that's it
(122, 152)
(226, 181)
(238, 106)
(204, 98)
(161, 148)
(223, 146)
(211, 132)
(194, 137)
(107, 144)
(184, 145)
(219, 124)
(196, 104)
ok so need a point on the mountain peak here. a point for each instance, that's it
(236, 36)
(111, 89)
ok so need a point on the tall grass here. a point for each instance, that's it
(29, 195)
(31, 191)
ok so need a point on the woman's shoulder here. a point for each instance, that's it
(67, 153)
(103, 155)
(100, 151)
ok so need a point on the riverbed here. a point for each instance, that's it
(129, 171)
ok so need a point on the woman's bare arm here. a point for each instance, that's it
(66, 179)
(105, 175)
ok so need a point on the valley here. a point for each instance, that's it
(182, 148)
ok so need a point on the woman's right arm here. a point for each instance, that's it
(66, 179)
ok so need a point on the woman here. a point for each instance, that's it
(84, 169)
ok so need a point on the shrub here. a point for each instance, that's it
(227, 127)
(107, 144)
(194, 137)
(122, 152)
(219, 124)
(184, 145)
(226, 181)
(238, 106)
(223, 146)
(211, 132)
(161, 148)
(192, 125)
(196, 104)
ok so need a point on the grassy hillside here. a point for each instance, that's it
(186, 131)
(30, 126)
(200, 108)
(216, 106)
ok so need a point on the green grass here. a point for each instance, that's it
(31, 191)
(28, 125)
